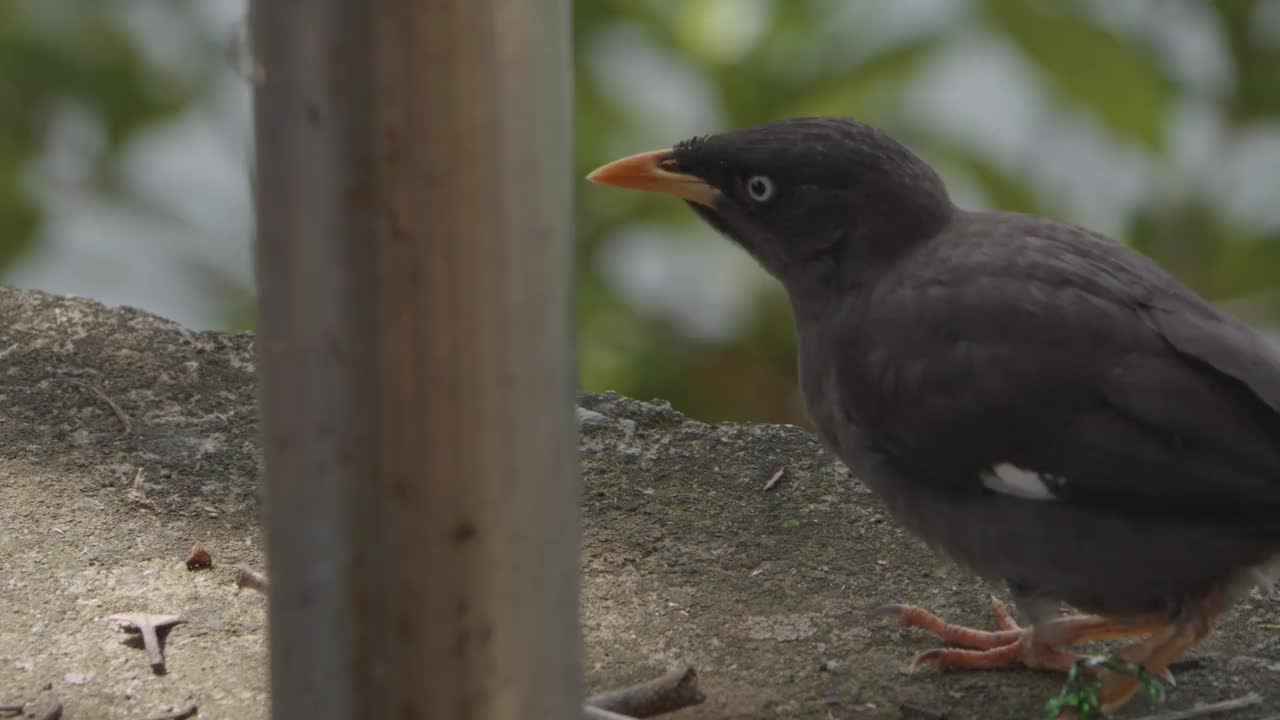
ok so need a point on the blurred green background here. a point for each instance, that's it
(125, 142)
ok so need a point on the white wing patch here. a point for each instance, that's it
(1012, 480)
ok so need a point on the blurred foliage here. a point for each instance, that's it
(1111, 76)
(53, 56)
(1087, 66)
(732, 63)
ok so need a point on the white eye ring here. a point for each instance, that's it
(759, 188)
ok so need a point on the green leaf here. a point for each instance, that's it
(20, 219)
(1112, 77)
(108, 71)
(1188, 238)
(91, 59)
(88, 58)
(862, 89)
(1247, 267)
(19, 215)
(1255, 59)
(1079, 693)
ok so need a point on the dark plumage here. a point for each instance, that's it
(1045, 405)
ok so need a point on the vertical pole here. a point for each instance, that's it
(416, 355)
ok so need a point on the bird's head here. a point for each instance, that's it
(807, 197)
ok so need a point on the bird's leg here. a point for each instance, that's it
(1157, 652)
(1036, 647)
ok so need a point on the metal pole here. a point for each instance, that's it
(416, 356)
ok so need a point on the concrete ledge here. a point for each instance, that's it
(685, 557)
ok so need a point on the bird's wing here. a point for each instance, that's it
(1205, 335)
(1074, 370)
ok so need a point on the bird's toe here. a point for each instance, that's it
(910, 616)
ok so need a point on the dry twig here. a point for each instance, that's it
(189, 711)
(53, 713)
(775, 478)
(138, 488)
(595, 713)
(673, 691)
(152, 628)
(1200, 711)
(916, 712)
(124, 419)
(251, 579)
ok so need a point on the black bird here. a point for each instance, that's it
(1046, 406)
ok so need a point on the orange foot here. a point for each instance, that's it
(1153, 655)
(1164, 646)
(1037, 647)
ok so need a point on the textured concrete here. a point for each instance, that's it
(685, 557)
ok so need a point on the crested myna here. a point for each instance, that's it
(1050, 408)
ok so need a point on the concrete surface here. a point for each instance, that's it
(685, 557)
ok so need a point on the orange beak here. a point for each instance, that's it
(654, 171)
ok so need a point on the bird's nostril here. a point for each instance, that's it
(669, 165)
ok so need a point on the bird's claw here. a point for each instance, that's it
(894, 610)
(926, 658)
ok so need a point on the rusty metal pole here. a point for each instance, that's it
(416, 357)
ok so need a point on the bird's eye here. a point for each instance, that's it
(760, 188)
